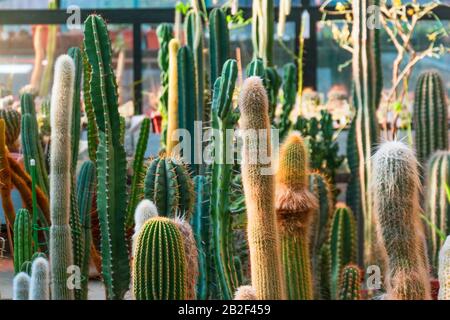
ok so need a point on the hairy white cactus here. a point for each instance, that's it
(245, 293)
(39, 285)
(21, 286)
(444, 271)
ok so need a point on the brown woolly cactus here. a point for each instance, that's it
(258, 182)
(395, 190)
(295, 207)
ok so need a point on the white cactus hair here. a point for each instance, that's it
(21, 286)
(39, 284)
(245, 293)
(444, 271)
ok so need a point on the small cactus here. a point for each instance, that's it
(12, 120)
(21, 286)
(145, 210)
(396, 204)
(245, 293)
(23, 248)
(444, 271)
(39, 283)
(350, 284)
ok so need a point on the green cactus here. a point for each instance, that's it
(437, 208)
(85, 193)
(258, 183)
(21, 286)
(40, 282)
(61, 254)
(168, 184)
(430, 115)
(219, 43)
(350, 284)
(31, 144)
(363, 134)
(396, 205)
(273, 85)
(92, 131)
(110, 159)
(224, 118)
(23, 248)
(324, 272)
(159, 265)
(342, 240)
(136, 193)
(164, 33)
(201, 226)
(12, 120)
(289, 95)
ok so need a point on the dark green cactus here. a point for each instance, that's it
(219, 43)
(136, 193)
(31, 144)
(350, 285)
(273, 84)
(12, 121)
(430, 115)
(289, 95)
(85, 193)
(324, 272)
(224, 117)
(23, 249)
(110, 159)
(92, 132)
(200, 225)
(168, 184)
(342, 239)
(159, 265)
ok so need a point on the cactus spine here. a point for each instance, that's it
(200, 225)
(444, 271)
(168, 184)
(39, 282)
(23, 248)
(342, 240)
(172, 96)
(289, 95)
(12, 121)
(350, 283)
(21, 286)
(159, 266)
(430, 115)
(61, 254)
(224, 118)
(295, 206)
(396, 194)
(110, 159)
(138, 171)
(219, 43)
(259, 186)
(437, 208)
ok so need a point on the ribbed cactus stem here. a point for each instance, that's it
(39, 283)
(172, 125)
(245, 293)
(350, 284)
(396, 194)
(23, 249)
(21, 286)
(145, 210)
(444, 271)
(61, 254)
(295, 206)
(259, 192)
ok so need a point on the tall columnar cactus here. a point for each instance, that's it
(323, 272)
(273, 84)
(168, 184)
(23, 247)
(92, 131)
(137, 181)
(258, 182)
(6, 185)
(160, 276)
(444, 271)
(219, 43)
(12, 121)
(363, 135)
(187, 99)
(21, 286)
(110, 159)
(263, 30)
(342, 240)
(224, 118)
(350, 283)
(289, 95)
(61, 254)
(85, 194)
(437, 208)
(201, 226)
(40, 282)
(164, 33)
(430, 115)
(31, 144)
(395, 191)
(172, 96)
(295, 206)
